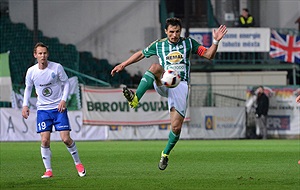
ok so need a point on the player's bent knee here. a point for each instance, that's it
(45, 142)
(176, 130)
(67, 140)
(156, 68)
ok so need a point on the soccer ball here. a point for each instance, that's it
(170, 78)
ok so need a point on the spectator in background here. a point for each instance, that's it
(246, 19)
(262, 103)
(298, 99)
(250, 115)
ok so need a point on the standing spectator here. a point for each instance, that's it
(48, 77)
(250, 115)
(261, 113)
(298, 99)
(246, 19)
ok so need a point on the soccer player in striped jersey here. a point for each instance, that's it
(48, 78)
(173, 52)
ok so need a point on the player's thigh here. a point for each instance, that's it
(176, 119)
(178, 98)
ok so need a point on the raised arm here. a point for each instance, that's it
(217, 36)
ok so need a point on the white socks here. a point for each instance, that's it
(46, 156)
(74, 153)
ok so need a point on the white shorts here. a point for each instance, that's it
(177, 97)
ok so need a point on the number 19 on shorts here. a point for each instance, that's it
(42, 126)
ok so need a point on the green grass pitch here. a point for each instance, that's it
(193, 164)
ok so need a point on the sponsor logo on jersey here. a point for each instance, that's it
(179, 47)
(177, 67)
(53, 75)
(46, 84)
(174, 57)
(47, 92)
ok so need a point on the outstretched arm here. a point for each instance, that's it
(132, 59)
(217, 36)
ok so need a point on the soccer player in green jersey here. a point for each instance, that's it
(173, 52)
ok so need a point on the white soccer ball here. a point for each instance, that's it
(170, 78)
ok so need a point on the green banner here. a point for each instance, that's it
(4, 65)
(5, 81)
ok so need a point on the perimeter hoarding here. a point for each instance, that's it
(236, 39)
(284, 113)
(109, 107)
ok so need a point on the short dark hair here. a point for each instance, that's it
(39, 44)
(262, 87)
(245, 9)
(173, 22)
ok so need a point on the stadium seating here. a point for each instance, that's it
(17, 39)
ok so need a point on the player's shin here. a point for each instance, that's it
(173, 138)
(74, 153)
(46, 156)
(145, 84)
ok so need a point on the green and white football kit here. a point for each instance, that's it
(174, 56)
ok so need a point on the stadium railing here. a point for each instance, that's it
(205, 95)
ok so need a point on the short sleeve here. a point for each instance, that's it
(150, 50)
(195, 46)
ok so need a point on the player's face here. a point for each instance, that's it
(41, 54)
(173, 33)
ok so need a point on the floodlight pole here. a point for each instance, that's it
(35, 22)
(187, 4)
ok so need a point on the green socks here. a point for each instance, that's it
(145, 84)
(171, 143)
